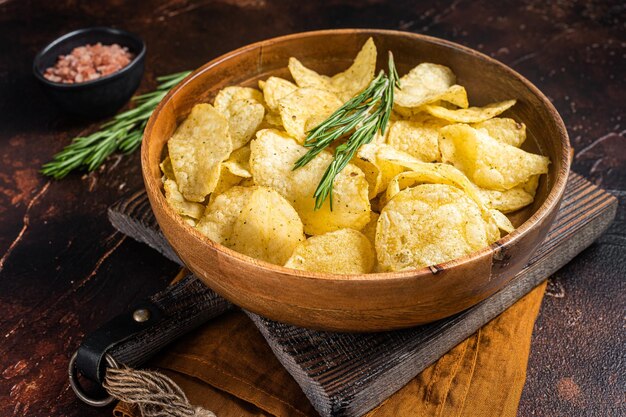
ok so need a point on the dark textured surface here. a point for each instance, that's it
(63, 270)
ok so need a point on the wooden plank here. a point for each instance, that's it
(346, 374)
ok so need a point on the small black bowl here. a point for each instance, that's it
(100, 97)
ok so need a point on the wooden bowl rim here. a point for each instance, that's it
(552, 199)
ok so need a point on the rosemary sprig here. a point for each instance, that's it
(361, 117)
(122, 133)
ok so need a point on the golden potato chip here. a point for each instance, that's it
(181, 205)
(355, 79)
(471, 114)
(272, 158)
(305, 108)
(345, 84)
(235, 169)
(275, 89)
(531, 185)
(268, 227)
(307, 78)
(511, 200)
(166, 168)
(506, 201)
(244, 118)
(419, 138)
(272, 120)
(427, 225)
(456, 95)
(502, 221)
(197, 148)
(435, 173)
(504, 130)
(427, 83)
(261, 85)
(378, 172)
(239, 162)
(370, 228)
(227, 95)
(219, 218)
(372, 175)
(487, 162)
(226, 181)
(343, 251)
(423, 172)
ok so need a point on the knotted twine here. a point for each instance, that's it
(154, 393)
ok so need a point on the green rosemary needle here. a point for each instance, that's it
(122, 133)
(361, 117)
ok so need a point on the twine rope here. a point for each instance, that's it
(154, 393)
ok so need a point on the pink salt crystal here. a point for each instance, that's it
(89, 62)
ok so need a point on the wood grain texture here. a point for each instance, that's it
(347, 374)
(64, 271)
(367, 302)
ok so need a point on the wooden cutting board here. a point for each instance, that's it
(348, 374)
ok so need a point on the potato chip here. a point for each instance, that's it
(220, 216)
(321, 254)
(226, 181)
(355, 79)
(181, 205)
(378, 172)
(372, 175)
(268, 227)
(506, 201)
(456, 95)
(239, 162)
(275, 89)
(197, 148)
(305, 108)
(272, 158)
(427, 225)
(370, 228)
(166, 168)
(531, 185)
(307, 78)
(422, 172)
(227, 95)
(244, 118)
(345, 84)
(189, 210)
(471, 114)
(511, 200)
(235, 169)
(487, 162)
(271, 121)
(502, 221)
(504, 130)
(244, 108)
(427, 83)
(419, 138)
(435, 173)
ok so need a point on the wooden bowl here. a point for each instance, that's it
(371, 302)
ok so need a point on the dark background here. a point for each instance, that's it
(64, 271)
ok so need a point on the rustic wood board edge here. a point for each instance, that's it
(356, 381)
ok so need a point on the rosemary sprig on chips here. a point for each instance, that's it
(361, 117)
(122, 133)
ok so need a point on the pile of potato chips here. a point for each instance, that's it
(434, 187)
